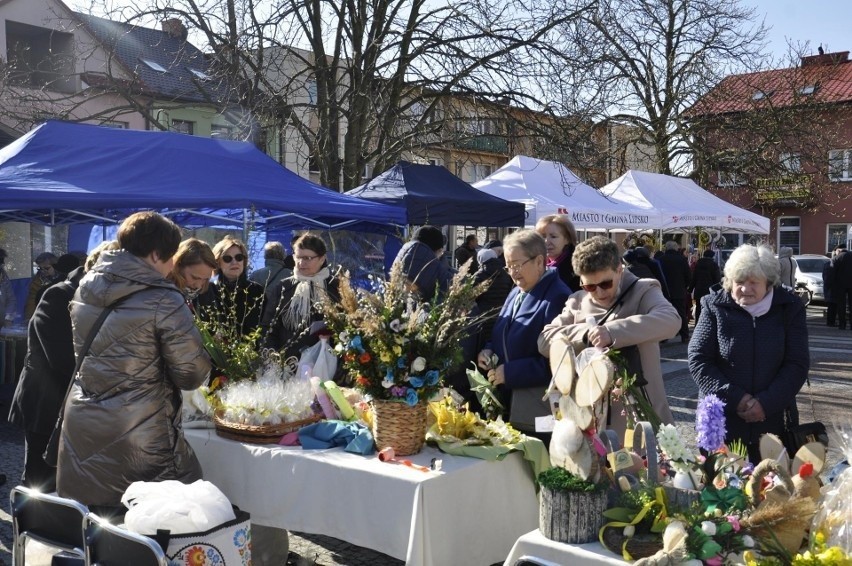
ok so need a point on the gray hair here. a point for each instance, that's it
(273, 250)
(595, 254)
(751, 261)
(530, 241)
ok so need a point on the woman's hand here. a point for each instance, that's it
(483, 360)
(753, 411)
(599, 337)
(497, 375)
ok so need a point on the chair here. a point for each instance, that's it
(110, 545)
(47, 518)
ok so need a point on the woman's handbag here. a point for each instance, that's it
(526, 406)
(797, 435)
(228, 544)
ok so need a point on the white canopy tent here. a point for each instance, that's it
(548, 187)
(682, 204)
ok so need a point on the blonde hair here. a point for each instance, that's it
(95, 254)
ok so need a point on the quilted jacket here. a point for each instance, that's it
(732, 353)
(123, 417)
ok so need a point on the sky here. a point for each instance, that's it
(815, 21)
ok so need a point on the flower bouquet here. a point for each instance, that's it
(396, 348)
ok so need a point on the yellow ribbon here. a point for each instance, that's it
(660, 500)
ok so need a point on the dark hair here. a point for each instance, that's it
(273, 250)
(469, 238)
(2, 255)
(67, 263)
(144, 232)
(431, 236)
(709, 253)
(491, 244)
(311, 242)
(46, 257)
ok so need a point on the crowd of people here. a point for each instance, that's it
(127, 319)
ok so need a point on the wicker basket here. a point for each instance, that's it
(400, 426)
(259, 434)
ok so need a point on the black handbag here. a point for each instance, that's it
(798, 434)
(51, 451)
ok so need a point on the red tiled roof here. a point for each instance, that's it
(831, 74)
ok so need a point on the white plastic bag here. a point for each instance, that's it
(321, 360)
(175, 506)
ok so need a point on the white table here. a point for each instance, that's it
(470, 513)
(536, 545)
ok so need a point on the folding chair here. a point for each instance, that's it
(47, 518)
(110, 545)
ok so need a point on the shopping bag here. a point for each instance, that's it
(227, 544)
(319, 360)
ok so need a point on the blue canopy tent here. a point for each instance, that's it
(67, 173)
(433, 195)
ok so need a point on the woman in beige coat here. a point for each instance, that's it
(643, 318)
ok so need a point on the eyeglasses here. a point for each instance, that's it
(517, 267)
(605, 285)
(306, 257)
(229, 259)
(44, 268)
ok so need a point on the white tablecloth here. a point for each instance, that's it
(468, 514)
(536, 545)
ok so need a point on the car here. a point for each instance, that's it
(809, 272)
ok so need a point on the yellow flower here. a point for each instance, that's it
(386, 357)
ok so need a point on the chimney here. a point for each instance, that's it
(835, 58)
(175, 28)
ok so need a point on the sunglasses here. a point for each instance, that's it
(229, 259)
(605, 285)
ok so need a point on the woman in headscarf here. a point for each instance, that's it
(291, 317)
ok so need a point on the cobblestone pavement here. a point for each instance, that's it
(831, 376)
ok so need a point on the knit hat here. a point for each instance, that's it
(431, 236)
(484, 255)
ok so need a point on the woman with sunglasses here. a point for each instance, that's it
(639, 315)
(538, 296)
(232, 297)
(291, 315)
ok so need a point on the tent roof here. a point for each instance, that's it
(62, 172)
(682, 203)
(548, 187)
(433, 195)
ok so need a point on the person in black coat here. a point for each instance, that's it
(232, 298)
(706, 274)
(423, 262)
(491, 301)
(842, 285)
(467, 252)
(750, 347)
(828, 290)
(47, 371)
(678, 277)
(291, 317)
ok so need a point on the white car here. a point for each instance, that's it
(809, 271)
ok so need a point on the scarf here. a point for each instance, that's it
(560, 258)
(309, 289)
(761, 307)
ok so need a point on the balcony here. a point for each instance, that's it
(492, 144)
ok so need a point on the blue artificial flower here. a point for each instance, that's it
(415, 381)
(389, 374)
(710, 423)
(401, 362)
(356, 344)
(411, 397)
(432, 377)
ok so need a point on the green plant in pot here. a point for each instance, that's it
(571, 508)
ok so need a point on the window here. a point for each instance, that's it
(807, 90)
(40, 57)
(153, 65)
(116, 125)
(791, 162)
(789, 233)
(840, 165)
(760, 95)
(311, 87)
(313, 164)
(729, 174)
(838, 234)
(481, 171)
(367, 174)
(183, 126)
(434, 162)
(221, 132)
(200, 74)
(459, 169)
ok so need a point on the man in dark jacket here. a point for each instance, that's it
(274, 269)
(828, 290)
(842, 284)
(678, 277)
(423, 264)
(491, 301)
(467, 251)
(706, 274)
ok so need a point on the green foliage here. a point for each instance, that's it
(560, 479)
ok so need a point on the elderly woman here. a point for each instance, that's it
(291, 312)
(232, 297)
(750, 346)
(539, 294)
(195, 263)
(561, 238)
(638, 315)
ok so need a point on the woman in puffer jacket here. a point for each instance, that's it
(123, 416)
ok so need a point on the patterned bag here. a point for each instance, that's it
(228, 544)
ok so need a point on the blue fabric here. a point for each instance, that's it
(433, 195)
(515, 340)
(353, 437)
(60, 167)
(732, 353)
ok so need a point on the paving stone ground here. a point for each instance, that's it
(831, 376)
